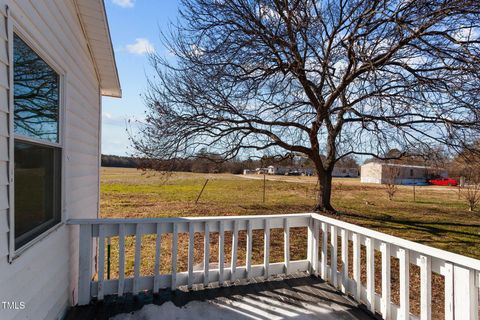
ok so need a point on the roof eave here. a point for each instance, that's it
(107, 73)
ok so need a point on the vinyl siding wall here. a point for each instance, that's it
(44, 276)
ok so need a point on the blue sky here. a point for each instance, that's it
(135, 26)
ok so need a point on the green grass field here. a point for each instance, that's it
(437, 218)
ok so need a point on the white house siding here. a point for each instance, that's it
(44, 276)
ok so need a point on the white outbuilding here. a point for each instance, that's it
(380, 172)
(56, 61)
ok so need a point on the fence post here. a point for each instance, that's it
(264, 186)
(201, 192)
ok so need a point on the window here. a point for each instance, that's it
(37, 144)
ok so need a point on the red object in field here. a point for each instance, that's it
(444, 182)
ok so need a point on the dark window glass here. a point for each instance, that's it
(37, 190)
(36, 94)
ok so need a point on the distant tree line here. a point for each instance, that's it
(120, 161)
(207, 162)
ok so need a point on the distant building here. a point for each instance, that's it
(289, 171)
(377, 172)
(345, 172)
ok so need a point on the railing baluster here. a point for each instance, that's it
(137, 262)
(334, 254)
(324, 251)
(233, 266)
(121, 259)
(315, 244)
(174, 255)
(249, 249)
(386, 287)
(101, 260)
(286, 245)
(425, 287)
(85, 264)
(221, 251)
(158, 251)
(266, 249)
(404, 261)
(370, 275)
(206, 254)
(449, 315)
(191, 257)
(461, 276)
(466, 293)
(309, 242)
(344, 234)
(356, 267)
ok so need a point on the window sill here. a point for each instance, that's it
(17, 253)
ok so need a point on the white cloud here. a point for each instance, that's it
(113, 120)
(140, 46)
(124, 3)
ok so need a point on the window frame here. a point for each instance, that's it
(14, 28)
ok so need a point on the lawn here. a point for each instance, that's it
(438, 217)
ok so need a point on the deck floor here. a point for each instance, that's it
(296, 296)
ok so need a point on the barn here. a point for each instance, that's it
(56, 61)
(379, 172)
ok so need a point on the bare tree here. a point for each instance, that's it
(467, 164)
(325, 78)
(390, 175)
(471, 193)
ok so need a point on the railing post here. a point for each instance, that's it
(310, 245)
(85, 264)
(465, 293)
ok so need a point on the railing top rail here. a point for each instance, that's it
(183, 219)
(410, 245)
(407, 244)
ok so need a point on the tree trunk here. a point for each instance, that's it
(324, 191)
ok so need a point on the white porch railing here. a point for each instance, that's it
(329, 244)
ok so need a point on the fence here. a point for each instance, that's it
(335, 251)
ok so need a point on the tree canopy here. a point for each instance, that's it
(325, 78)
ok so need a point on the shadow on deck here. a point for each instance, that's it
(297, 296)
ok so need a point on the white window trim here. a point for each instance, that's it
(14, 27)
